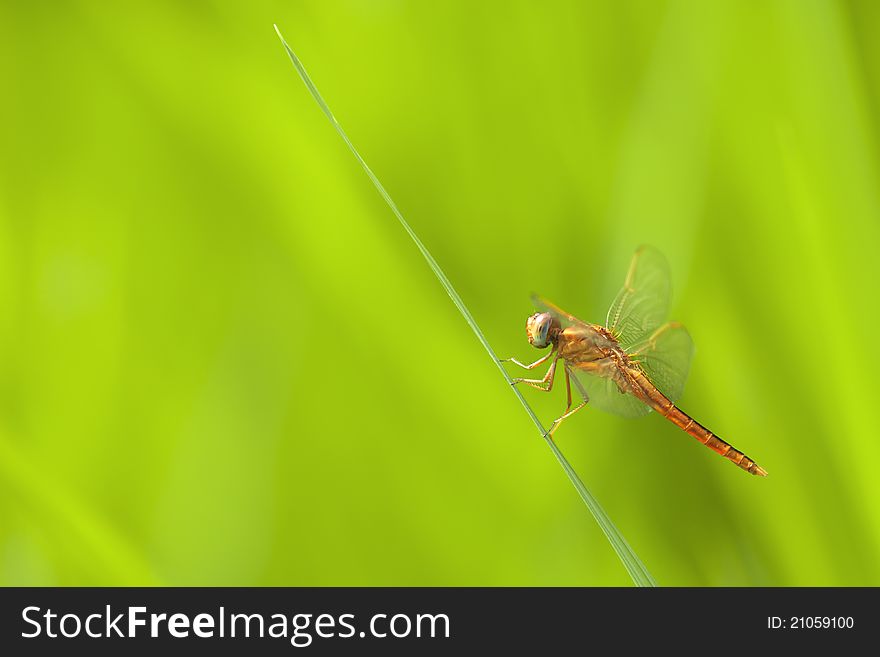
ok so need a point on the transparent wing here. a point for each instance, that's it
(606, 396)
(641, 306)
(565, 318)
(666, 358)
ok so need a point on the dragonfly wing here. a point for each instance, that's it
(666, 358)
(641, 306)
(606, 396)
(565, 318)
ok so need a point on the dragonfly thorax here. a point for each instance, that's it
(541, 329)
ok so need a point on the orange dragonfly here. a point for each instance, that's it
(633, 364)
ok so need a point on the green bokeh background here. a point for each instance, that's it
(223, 362)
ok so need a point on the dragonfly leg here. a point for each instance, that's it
(569, 411)
(581, 389)
(528, 367)
(545, 384)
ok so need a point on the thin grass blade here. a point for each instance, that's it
(633, 565)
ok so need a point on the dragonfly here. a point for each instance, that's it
(633, 364)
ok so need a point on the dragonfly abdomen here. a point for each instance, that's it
(664, 406)
(685, 422)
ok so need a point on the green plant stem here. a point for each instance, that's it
(631, 562)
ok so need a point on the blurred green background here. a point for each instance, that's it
(223, 362)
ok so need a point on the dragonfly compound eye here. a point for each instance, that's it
(538, 329)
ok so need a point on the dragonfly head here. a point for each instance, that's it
(538, 328)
